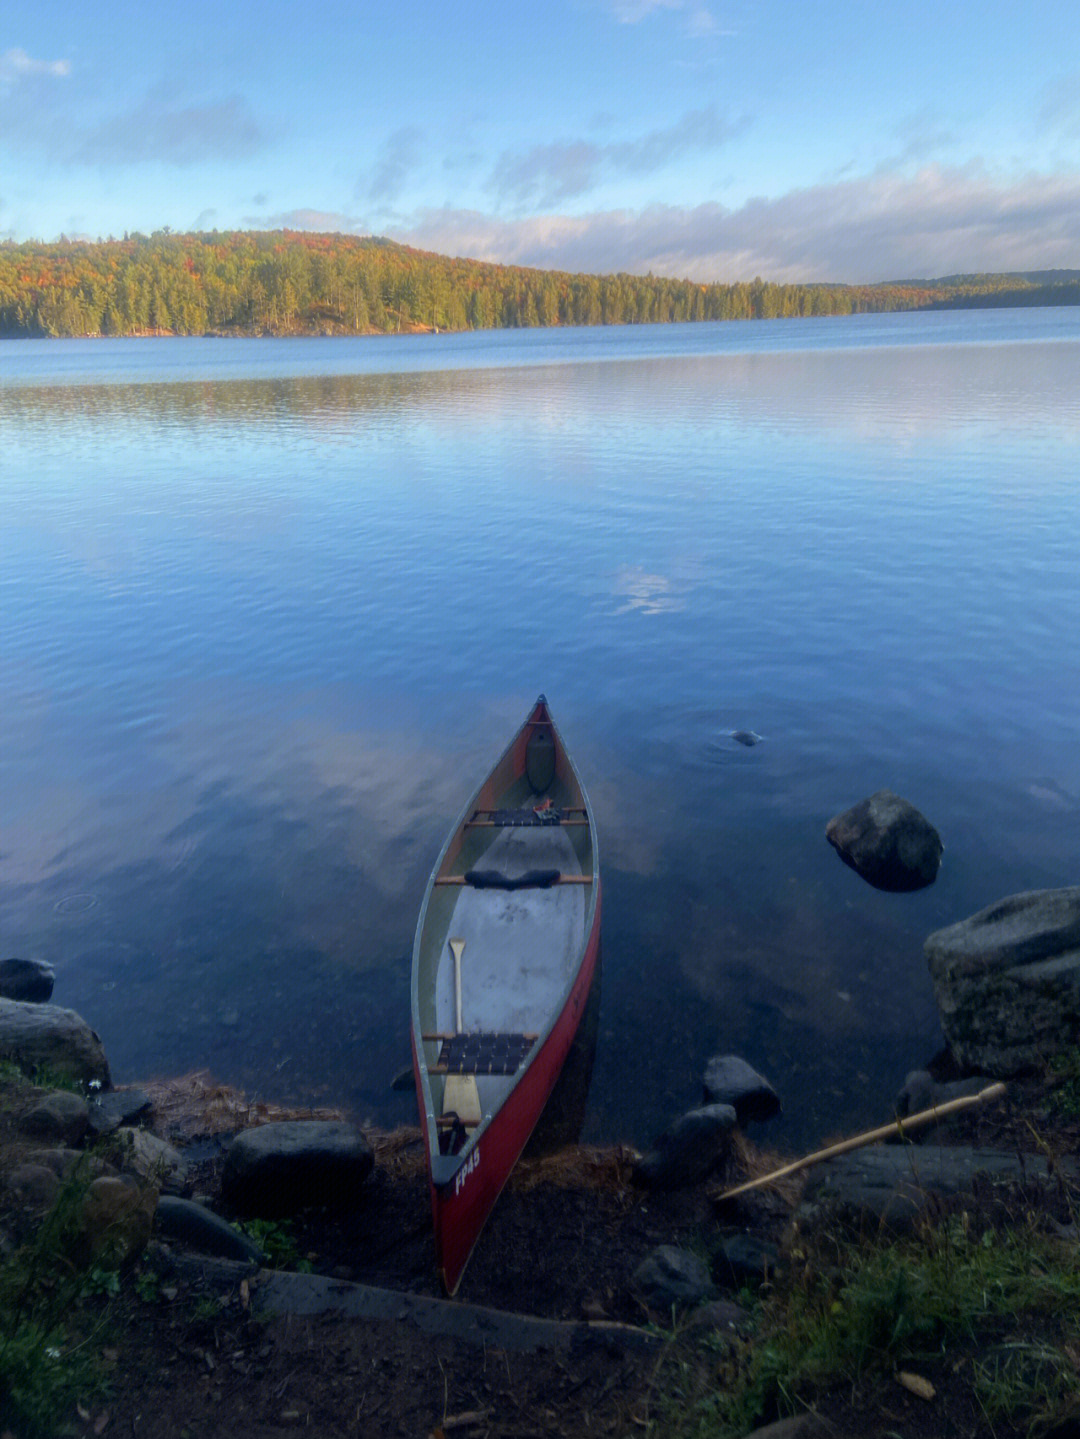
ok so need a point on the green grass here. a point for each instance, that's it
(865, 1310)
(45, 1367)
(1066, 1093)
(41, 1077)
(276, 1240)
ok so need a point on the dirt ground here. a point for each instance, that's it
(183, 1361)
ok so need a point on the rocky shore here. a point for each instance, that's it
(247, 1269)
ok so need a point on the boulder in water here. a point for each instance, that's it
(886, 841)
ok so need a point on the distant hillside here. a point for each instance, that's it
(291, 283)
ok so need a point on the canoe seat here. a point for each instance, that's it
(518, 818)
(483, 1053)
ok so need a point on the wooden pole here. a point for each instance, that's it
(912, 1121)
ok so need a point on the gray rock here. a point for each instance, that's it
(186, 1222)
(44, 1036)
(887, 842)
(30, 980)
(893, 1185)
(151, 1157)
(119, 1106)
(689, 1151)
(730, 1080)
(60, 1116)
(921, 1092)
(116, 1218)
(671, 1276)
(721, 1314)
(799, 1426)
(279, 1168)
(31, 1186)
(1007, 981)
(746, 1259)
(64, 1162)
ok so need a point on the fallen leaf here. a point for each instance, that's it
(916, 1384)
(101, 1423)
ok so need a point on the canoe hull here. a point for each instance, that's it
(461, 1206)
(465, 1186)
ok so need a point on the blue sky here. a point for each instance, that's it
(715, 139)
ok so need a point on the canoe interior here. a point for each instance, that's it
(523, 947)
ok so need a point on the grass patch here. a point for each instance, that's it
(1065, 1070)
(41, 1077)
(864, 1310)
(276, 1240)
(45, 1366)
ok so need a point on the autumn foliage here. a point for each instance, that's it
(284, 282)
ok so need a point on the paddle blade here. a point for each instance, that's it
(461, 1097)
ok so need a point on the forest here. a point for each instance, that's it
(297, 283)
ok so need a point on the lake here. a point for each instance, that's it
(270, 608)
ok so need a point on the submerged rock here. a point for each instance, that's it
(730, 1080)
(887, 842)
(745, 737)
(1007, 981)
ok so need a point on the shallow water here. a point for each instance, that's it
(268, 609)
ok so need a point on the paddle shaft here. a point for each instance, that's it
(912, 1121)
(456, 948)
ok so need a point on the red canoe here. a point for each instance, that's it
(503, 962)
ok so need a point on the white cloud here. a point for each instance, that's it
(699, 19)
(878, 227)
(164, 127)
(398, 158)
(17, 64)
(322, 222)
(632, 12)
(548, 174)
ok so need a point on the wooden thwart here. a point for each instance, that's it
(871, 1136)
(562, 879)
(494, 824)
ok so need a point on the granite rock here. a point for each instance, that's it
(1007, 981)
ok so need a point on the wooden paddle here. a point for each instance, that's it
(912, 1121)
(460, 1094)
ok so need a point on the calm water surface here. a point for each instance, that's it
(268, 609)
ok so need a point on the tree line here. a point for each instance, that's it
(290, 283)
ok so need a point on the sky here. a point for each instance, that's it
(716, 140)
